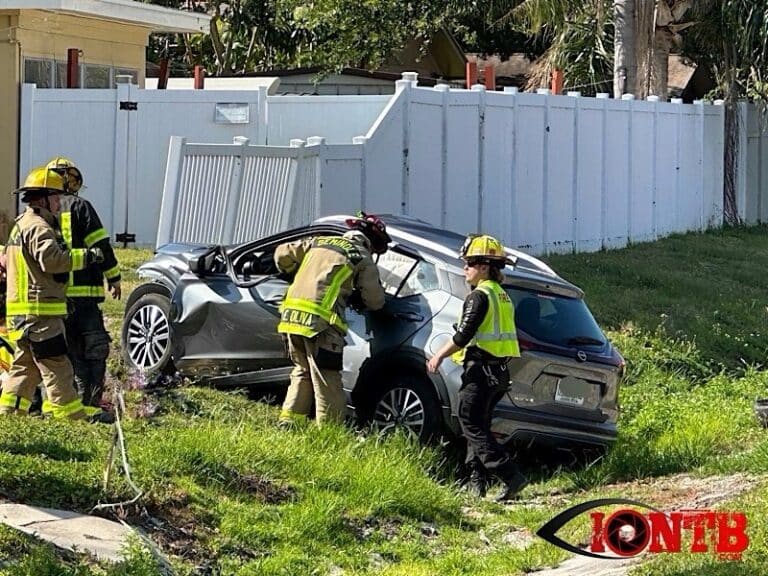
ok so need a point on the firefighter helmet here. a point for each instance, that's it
(374, 229)
(41, 181)
(73, 178)
(484, 250)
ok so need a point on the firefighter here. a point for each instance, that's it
(86, 335)
(7, 347)
(38, 267)
(327, 271)
(484, 341)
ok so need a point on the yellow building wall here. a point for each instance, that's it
(39, 34)
(9, 126)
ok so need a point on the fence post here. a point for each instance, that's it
(575, 203)
(604, 172)
(406, 86)
(480, 89)
(170, 189)
(654, 168)
(26, 153)
(227, 234)
(630, 165)
(362, 142)
(444, 90)
(317, 142)
(262, 117)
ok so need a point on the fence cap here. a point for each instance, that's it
(653, 98)
(511, 89)
(542, 91)
(627, 96)
(411, 76)
(574, 94)
(315, 140)
(478, 88)
(602, 95)
(442, 87)
(676, 100)
(297, 143)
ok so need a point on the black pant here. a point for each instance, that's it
(482, 387)
(88, 348)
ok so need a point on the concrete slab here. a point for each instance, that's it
(102, 538)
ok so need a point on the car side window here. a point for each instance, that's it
(402, 275)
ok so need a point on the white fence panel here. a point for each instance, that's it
(590, 178)
(63, 124)
(752, 183)
(559, 192)
(641, 175)
(336, 118)
(497, 210)
(230, 193)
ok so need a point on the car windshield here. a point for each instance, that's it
(555, 319)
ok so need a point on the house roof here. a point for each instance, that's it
(157, 18)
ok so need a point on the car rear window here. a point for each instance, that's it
(555, 319)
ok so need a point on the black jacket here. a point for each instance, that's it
(86, 232)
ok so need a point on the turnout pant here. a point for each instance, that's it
(482, 387)
(41, 357)
(88, 348)
(317, 364)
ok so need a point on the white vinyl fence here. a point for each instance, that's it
(229, 193)
(119, 138)
(752, 165)
(543, 173)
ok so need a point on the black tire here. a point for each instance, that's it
(408, 402)
(146, 336)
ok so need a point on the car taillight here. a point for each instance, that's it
(526, 344)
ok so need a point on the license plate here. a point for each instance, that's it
(571, 391)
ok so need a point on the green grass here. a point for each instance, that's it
(232, 494)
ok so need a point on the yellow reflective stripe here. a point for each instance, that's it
(332, 294)
(92, 410)
(85, 291)
(47, 406)
(66, 231)
(113, 272)
(291, 328)
(96, 236)
(78, 259)
(67, 409)
(37, 308)
(22, 281)
(66, 227)
(15, 335)
(10, 400)
(316, 309)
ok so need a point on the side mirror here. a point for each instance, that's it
(203, 264)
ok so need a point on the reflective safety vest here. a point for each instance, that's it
(497, 334)
(86, 233)
(33, 291)
(328, 264)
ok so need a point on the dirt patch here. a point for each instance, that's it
(264, 489)
(364, 528)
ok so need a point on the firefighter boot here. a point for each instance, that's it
(478, 480)
(513, 484)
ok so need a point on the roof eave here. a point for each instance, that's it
(156, 18)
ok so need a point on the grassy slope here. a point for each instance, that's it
(245, 498)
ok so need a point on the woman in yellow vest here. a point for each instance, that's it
(485, 340)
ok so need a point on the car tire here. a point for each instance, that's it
(146, 336)
(407, 402)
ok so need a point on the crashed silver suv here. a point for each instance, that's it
(211, 313)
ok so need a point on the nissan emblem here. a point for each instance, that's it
(581, 356)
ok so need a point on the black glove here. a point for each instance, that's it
(94, 255)
(355, 301)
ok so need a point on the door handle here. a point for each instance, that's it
(409, 316)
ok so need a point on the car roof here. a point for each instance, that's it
(444, 245)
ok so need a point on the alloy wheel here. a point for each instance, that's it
(148, 336)
(400, 407)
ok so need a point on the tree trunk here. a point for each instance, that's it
(662, 44)
(624, 59)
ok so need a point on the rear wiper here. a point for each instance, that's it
(585, 341)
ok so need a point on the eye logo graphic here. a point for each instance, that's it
(627, 532)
